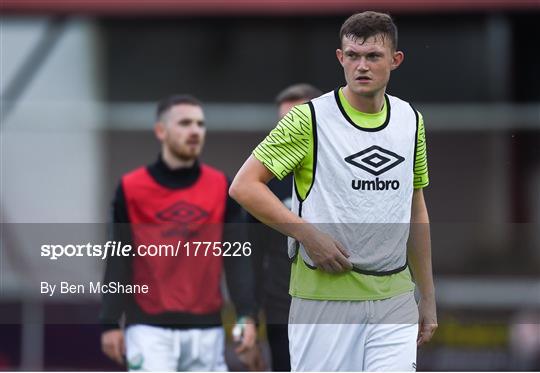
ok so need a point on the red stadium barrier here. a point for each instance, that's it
(260, 7)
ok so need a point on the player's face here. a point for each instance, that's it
(367, 64)
(182, 131)
(286, 106)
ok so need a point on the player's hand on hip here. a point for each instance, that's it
(427, 323)
(113, 345)
(326, 253)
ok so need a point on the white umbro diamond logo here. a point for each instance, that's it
(375, 160)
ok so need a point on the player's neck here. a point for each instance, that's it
(174, 162)
(365, 104)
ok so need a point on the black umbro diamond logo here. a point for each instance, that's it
(184, 220)
(375, 160)
(182, 212)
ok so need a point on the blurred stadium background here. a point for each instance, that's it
(79, 82)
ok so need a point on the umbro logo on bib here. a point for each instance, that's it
(375, 160)
(185, 218)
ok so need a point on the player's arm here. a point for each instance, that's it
(419, 244)
(118, 268)
(250, 190)
(239, 276)
(419, 257)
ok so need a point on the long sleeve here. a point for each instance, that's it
(256, 235)
(118, 268)
(238, 270)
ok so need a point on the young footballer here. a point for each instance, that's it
(177, 200)
(358, 227)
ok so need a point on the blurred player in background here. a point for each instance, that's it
(359, 162)
(271, 263)
(177, 324)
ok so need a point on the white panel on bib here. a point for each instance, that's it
(363, 184)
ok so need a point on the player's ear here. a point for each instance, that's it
(397, 59)
(339, 55)
(159, 130)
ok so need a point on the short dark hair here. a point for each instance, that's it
(367, 24)
(297, 92)
(168, 102)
